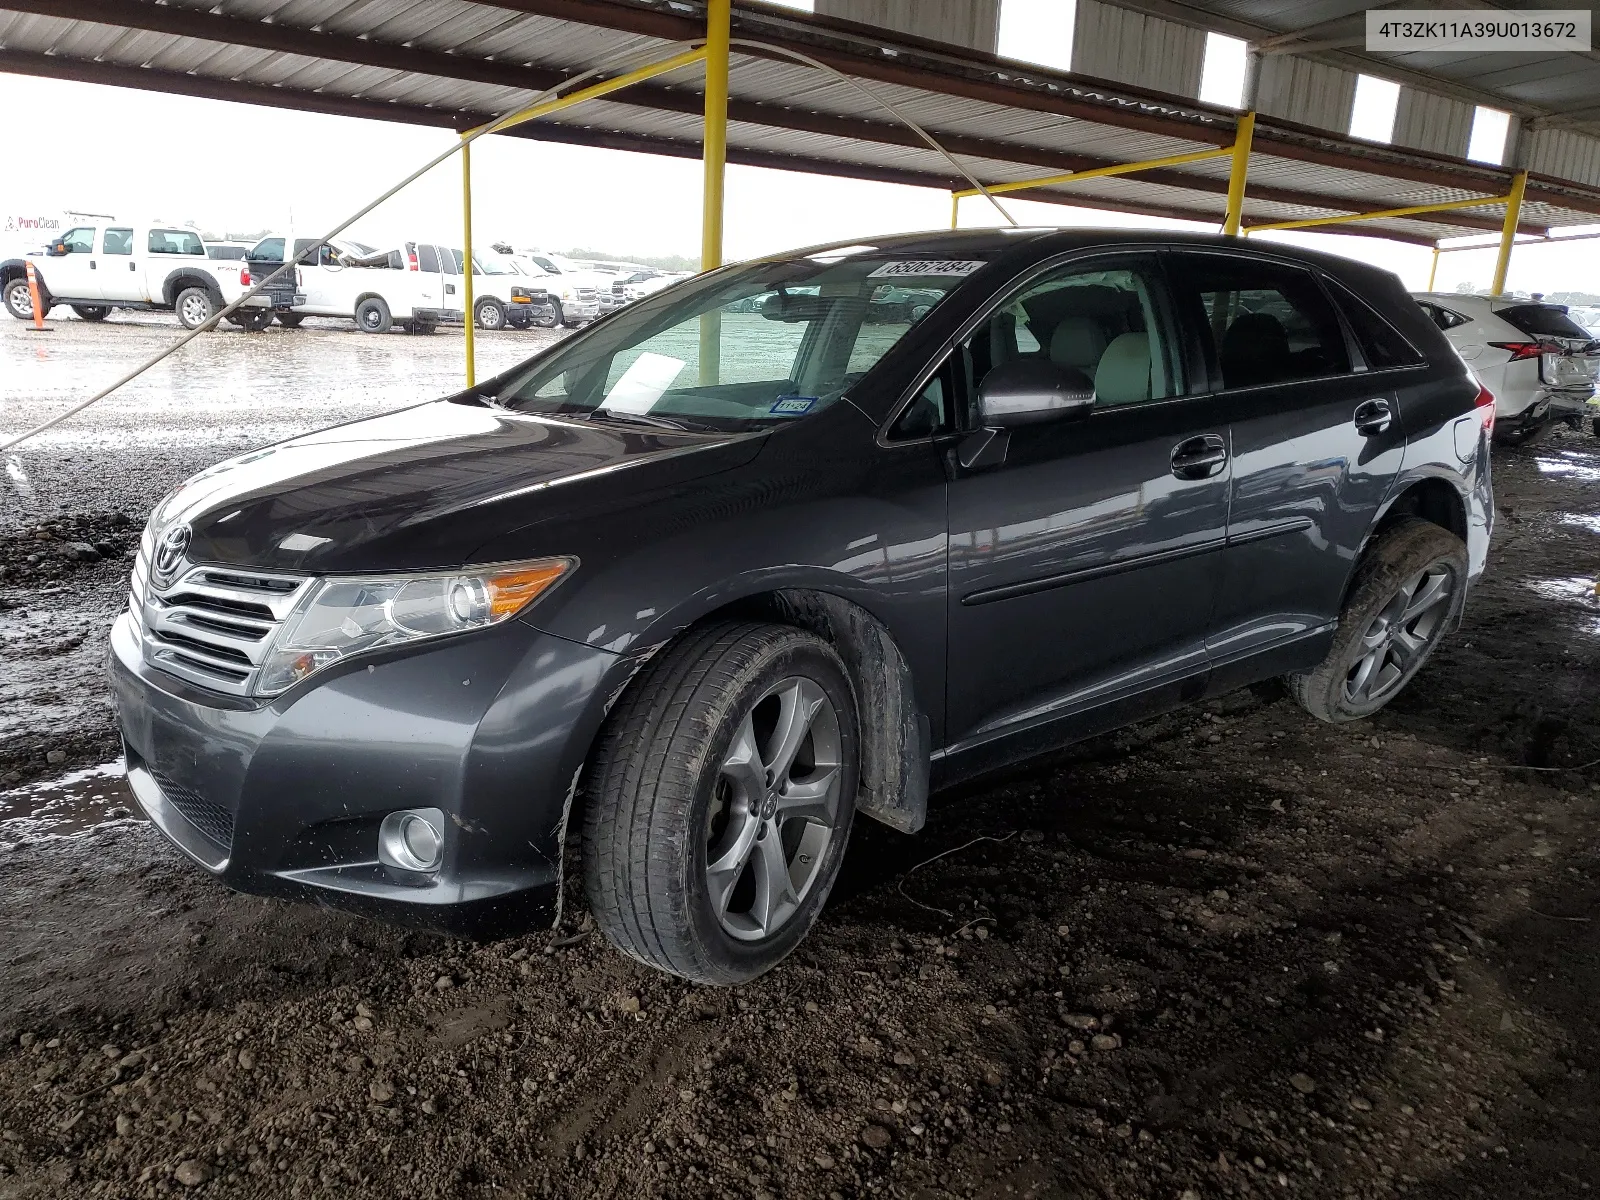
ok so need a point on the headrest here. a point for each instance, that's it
(1077, 342)
(1124, 374)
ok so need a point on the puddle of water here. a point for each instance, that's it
(1575, 588)
(1570, 464)
(1588, 521)
(75, 803)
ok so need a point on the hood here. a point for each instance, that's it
(427, 486)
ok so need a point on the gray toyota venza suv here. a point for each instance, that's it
(675, 601)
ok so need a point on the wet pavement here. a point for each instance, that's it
(80, 801)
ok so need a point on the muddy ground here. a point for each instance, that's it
(1228, 953)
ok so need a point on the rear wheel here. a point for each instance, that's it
(491, 313)
(291, 320)
(195, 307)
(1407, 587)
(1595, 427)
(719, 801)
(372, 316)
(92, 312)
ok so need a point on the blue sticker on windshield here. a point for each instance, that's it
(793, 406)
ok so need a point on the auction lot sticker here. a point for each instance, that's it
(926, 266)
(1551, 29)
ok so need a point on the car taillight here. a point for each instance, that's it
(1484, 405)
(244, 276)
(1519, 350)
(411, 260)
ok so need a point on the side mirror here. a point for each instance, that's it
(1029, 391)
(57, 249)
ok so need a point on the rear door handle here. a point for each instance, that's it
(1373, 417)
(1199, 457)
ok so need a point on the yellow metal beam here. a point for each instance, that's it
(955, 209)
(1382, 214)
(1240, 150)
(715, 152)
(1150, 164)
(1508, 233)
(603, 88)
(466, 270)
(1433, 268)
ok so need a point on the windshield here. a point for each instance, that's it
(491, 266)
(778, 340)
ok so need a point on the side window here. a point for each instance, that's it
(460, 261)
(1382, 345)
(447, 260)
(427, 257)
(175, 241)
(1102, 324)
(266, 250)
(79, 240)
(303, 250)
(118, 241)
(1267, 323)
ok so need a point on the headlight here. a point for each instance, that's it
(345, 616)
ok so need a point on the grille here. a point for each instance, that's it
(210, 819)
(214, 625)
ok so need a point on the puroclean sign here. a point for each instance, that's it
(14, 224)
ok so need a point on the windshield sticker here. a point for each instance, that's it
(642, 384)
(793, 406)
(925, 266)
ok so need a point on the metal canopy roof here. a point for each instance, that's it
(456, 63)
(1549, 90)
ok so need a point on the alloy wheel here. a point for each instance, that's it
(195, 312)
(775, 810)
(1400, 636)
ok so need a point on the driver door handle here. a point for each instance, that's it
(1199, 457)
(1373, 417)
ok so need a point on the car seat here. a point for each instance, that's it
(1123, 376)
(1255, 350)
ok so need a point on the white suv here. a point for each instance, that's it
(95, 268)
(1539, 363)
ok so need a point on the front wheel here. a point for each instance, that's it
(195, 307)
(719, 801)
(92, 312)
(372, 316)
(19, 303)
(551, 317)
(1407, 588)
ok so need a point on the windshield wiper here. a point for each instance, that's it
(633, 418)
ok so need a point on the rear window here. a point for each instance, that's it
(176, 241)
(266, 250)
(1543, 320)
(427, 257)
(1444, 318)
(1382, 345)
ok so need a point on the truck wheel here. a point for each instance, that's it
(18, 302)
(372, 316)
(423, 327)
(195, 307)
(92, 312)
(1406, 589)
(253, 320)
(1595, 428)
(719, 801)
(291, 320)
(552, 318)
(491, 314)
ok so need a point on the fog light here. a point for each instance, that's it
(412, 839)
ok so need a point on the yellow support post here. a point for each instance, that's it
(955, 210)
(1433, 268)
(715, 152)
(1236, 177)
(1508, 233)
(466, 267)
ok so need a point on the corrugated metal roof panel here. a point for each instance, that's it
(1130, 47)
(971, 23)
(1310, 93)
(1565, 154)
(1428, 121)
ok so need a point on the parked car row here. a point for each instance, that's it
(413, 285)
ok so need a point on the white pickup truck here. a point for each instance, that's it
(95, 268)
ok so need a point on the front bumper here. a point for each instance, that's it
(580, 310)
(285, 798)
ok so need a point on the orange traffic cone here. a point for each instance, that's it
(38, 305)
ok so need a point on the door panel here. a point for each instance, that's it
(1083, 560)
(121, 271)
(75, 275)
(1316, 440)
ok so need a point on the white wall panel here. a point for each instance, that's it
(1429, 121)
(971, 23)
(1297, 89)
(1129, 47)
(1564, 154)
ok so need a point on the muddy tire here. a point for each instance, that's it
(194, 307)
(1408, 588)
(719, 801)
(291, 320)
(491, 314)
(1595, 427)
(372, 316)
(92, 312)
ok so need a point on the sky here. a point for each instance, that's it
(241, 168)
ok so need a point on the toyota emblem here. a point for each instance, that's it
(170, 551)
